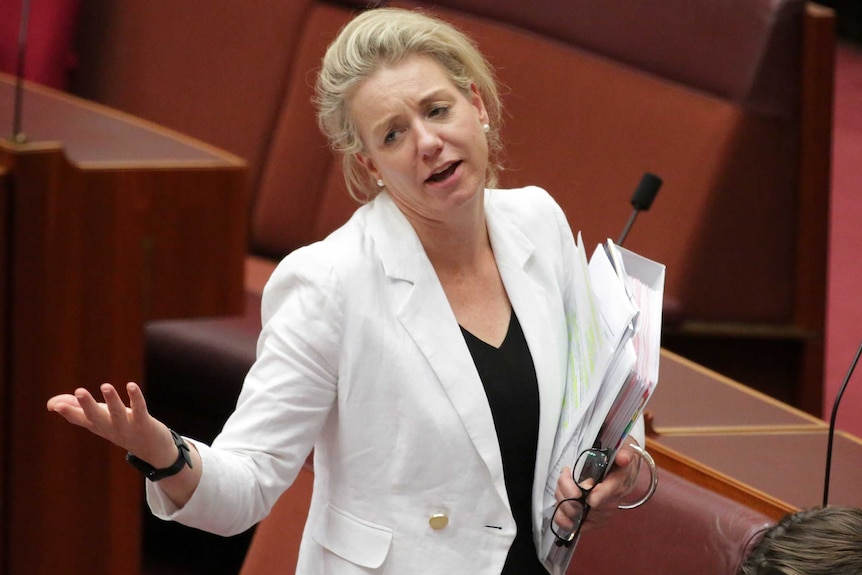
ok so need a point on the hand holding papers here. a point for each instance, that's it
(614, 337)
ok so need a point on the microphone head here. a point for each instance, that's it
(646, 191)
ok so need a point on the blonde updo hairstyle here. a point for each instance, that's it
(385, 36)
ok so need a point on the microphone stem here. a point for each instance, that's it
(628, 227)
(17, 134)
(832, 425)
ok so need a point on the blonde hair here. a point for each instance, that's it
(384, 36)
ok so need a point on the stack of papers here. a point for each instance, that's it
(614, 344)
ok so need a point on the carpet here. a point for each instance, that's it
(844, 306)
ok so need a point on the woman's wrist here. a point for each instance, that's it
(152, 473)
(161, 452)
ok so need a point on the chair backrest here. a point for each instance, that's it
(683, 529)
(592, 102)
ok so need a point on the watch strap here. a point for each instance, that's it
(183, 458)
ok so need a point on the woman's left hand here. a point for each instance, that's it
(606, 497)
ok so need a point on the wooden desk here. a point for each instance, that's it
(745, 444)
(786, 465)
(693, 399)
(108, 222)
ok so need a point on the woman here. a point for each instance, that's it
(420, 349)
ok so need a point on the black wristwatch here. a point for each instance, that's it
(183, 458)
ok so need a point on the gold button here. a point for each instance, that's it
(438, 521)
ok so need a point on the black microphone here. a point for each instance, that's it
(17, 135)
(642, 200)
(832, 424)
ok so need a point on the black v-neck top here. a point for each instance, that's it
(509, 378)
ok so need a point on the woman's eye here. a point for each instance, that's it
(391, 136)
(438, 111)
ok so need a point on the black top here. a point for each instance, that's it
(509, 378)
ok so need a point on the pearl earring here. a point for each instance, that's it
(380, 183)
(486, 128)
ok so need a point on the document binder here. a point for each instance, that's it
(614, 321)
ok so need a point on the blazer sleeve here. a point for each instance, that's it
(285, 400)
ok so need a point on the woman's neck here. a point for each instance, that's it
(456, 247)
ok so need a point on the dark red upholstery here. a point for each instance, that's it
(592, 102)
(683, 529)
(656, 37)
(601, 125)
(180, 351)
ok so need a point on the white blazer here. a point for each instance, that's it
(362, 359)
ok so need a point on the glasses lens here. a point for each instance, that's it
(569, 513)
(590, 468)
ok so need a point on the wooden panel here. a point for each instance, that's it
(5, 193)
(696, 472)
(56, 343)
(97, 246)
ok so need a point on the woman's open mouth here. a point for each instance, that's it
(444, 174)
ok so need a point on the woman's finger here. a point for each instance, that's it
(564, 517)
(137, 403)
(115, 406)
(566, 486)
(68, 407)
(61, 401)
(624, 457)
(93, 412)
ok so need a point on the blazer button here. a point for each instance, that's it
(438, 521)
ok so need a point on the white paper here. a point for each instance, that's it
(614, 345)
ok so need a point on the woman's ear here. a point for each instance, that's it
(478, 103)
(368, 164)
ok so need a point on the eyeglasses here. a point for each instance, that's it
(588, 471)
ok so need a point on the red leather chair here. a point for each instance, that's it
(683, 529)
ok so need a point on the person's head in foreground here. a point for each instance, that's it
(818, 541)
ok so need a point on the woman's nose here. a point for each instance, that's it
(428, 140)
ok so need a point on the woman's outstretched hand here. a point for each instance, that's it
(132, 428)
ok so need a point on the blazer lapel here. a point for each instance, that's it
(425, 313)
(540, 321)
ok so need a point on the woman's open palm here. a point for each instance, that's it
(130, 427)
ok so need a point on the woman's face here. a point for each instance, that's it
(423, 137)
